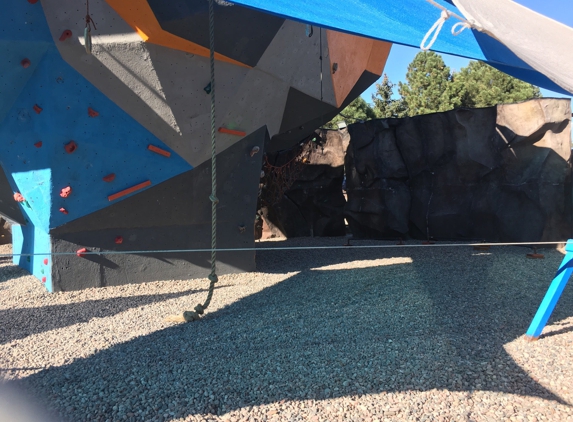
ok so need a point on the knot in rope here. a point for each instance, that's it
(214, 199)
(437, 27)
(463, 25)
(213, 277)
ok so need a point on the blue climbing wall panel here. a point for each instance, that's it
(44, 106)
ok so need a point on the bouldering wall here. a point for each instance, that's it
(496, 174)
(311, 203)
(109, 151)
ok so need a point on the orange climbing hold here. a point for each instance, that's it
(25, 63)
(232, 132)
(92, 112)
(65, 192)
(18, 197)
(129, 190)
(65, 35)
(119, 240)
(159, 151)
(37, 108)
(63, 210)
(70, 147)
(81, 252)
(109, 178)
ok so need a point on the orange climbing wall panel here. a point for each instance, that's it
(353, 55)
(141, 18)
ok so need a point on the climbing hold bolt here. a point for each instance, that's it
(65, 192)
(119, 240)
(92, 112)
(37, 109)
(255, 150)
(81, 252)
(109, 178)
(65, 35)
(63, 210)
(70, 147)
(18, 197)
(38, 144)
(25, 63)
(45, 261)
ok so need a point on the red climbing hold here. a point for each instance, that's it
(159, 151)
(65, 35)
(92, 112)
(32, 1)
(119, 240)
(25, 63)
(63, 210)
(18, 197)
(45, 261)
(37, 108)
(38, 144)
(65, 192)
(70, 147)
(81, 252)
(109, 177)
(44, 279)
(232, 131)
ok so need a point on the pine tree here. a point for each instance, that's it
(480, 85)
(384, 105)
(358, 110)
(428, 88)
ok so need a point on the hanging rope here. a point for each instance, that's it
(195, 315)
(437, 27)
(88, 29)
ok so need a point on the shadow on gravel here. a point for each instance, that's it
(9, 271)
(440, 322)
(23, 322)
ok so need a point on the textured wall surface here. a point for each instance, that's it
(116, 143)
(500, 174)
(313, 204)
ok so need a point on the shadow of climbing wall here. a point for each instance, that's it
(110, 150)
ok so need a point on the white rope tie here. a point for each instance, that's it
(462, 25)
(437, 27)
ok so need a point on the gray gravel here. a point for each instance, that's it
(428, 334)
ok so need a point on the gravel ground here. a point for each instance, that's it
(428, 334)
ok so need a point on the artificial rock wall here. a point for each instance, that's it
(498, 174)
(313, 205)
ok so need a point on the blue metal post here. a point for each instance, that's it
(552, 295)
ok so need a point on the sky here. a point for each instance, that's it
(401, 56)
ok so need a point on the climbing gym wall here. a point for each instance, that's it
(109, 151)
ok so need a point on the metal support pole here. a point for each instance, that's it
(553, 294)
